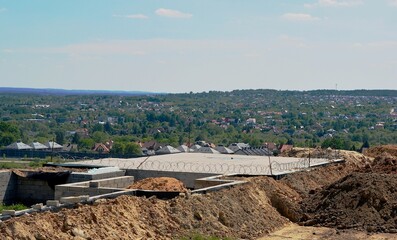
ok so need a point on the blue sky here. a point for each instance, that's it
(183, 46)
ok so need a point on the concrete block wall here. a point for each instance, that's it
(33, 190)
(93, 188)
(8, 187)
(188, 178)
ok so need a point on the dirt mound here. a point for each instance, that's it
(385, 163)
(166, 184)
(306, 182)
(365, 201)
(379, 150)
(242, 212)
(351, 157)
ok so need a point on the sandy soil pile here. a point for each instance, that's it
(159, 184)
(244, 212)
(379, 150)
(365, 201)
(351, 157)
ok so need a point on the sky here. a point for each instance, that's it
(199, 45)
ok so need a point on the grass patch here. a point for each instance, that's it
(16, 207)
(10, 165)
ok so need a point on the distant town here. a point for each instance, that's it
(257, 122)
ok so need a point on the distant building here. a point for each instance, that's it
(224, 150)
(253, 151)
(38, 146)
(19, 146)
(167, 150)
(53, 146)
(207, 150)
(101, 148)
(237, 146)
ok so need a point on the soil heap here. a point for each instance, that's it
(379, 150)
(166, 184)
(364, 201)
(246, 211)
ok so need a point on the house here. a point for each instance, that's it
(53, 146)
(152, 145)
(69, 147)
(184, 148)
(38, 146)
(167, 150)
(224, 150)
(271, 146)
(19, 146)
(101, 148)
(237, 146)
(252, 151)
(207, 150)
(195, 148)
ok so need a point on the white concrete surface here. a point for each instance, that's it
(212, 163)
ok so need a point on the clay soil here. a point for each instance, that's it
(243, 212)
(166, 184)
(353, 200)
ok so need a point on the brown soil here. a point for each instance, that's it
(379, 150)
(366, 201)
(243, 212)
(159, 184)
(311, 181)
(296, 232)
(350, 157)
(352, 195)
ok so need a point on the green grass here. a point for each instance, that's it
(9, 165)
(15, 207)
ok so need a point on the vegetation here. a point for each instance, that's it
(326, 118)
(16, 207)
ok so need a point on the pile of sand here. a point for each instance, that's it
(166, 184)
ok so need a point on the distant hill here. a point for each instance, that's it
(51, 91)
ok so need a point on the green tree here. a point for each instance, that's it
(118, 148)
(60, 137)
(132, 148)
(86, 144)
(76, 138)
(100, 137)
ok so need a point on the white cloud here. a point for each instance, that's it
(299, 17)
(172, 13)
(393, 3)
(132, 16)
(334, 3)
(3, 9)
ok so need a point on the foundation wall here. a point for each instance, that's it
(8, 187)
(33, 191)
(93, 188)
(188, 178)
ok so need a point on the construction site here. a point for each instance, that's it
(304, 194)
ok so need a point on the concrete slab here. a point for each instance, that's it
(213, 163)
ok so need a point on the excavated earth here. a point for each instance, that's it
(166, 184)
(358, 195)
